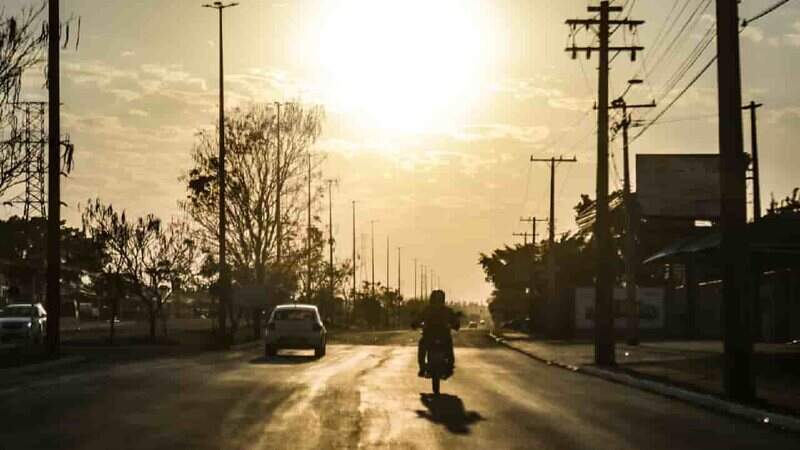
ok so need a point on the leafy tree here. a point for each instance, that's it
(23, 255)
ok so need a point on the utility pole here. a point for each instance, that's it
(415, 278)
(422, 281)
(754, 156)
(399, 261)
(308, 234)
(278, 186)
(631, 223)
(604, 306)
(372, 259)
(224, 278)
(331, 270)
(552, 293)
(532, 221)
(734, 252)
(53, 299)
(387, 262)
(523, 235)
(355, 285)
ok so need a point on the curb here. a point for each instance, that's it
(61, 362)
(748, 413)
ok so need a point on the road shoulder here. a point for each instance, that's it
(749, 413)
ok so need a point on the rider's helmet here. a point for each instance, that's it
(437, 297)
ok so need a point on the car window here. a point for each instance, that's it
(17, 311)
(296, 315)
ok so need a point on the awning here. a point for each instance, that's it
(776, 236)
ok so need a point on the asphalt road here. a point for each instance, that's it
(358, 396)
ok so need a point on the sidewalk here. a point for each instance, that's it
(692, 365)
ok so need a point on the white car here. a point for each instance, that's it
(295, 326)
(23, 322)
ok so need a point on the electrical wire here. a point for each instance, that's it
(704, 70)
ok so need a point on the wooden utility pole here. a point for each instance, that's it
(308, 233)
(734, 252)
(372, 259)
(415, 279)
(532, 221)
(552, 294)
(53, 299)
(752, 106)
(604, 306)
(631, 221)
(399, 262)
(278, 186)
(524, 235)
(355, 285)
(387, 262)
(331, 270)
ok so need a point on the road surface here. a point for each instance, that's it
(358, 396)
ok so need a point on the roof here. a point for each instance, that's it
(296, 306)
(773, 237)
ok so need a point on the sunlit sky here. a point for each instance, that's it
(433, 108)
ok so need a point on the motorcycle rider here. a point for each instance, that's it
(437, 320)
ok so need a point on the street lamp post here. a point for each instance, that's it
(223, 268)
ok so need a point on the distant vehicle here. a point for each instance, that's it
(472, 324)
(482, 322)
(23, 322)
(295, 326)
(521, 325)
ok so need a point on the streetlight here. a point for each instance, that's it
(223, 268)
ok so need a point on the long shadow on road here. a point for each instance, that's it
(448, 410)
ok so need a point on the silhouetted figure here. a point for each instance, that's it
(436, 320)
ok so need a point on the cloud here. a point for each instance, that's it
(138, 112)
(493, 132)
(753, 33)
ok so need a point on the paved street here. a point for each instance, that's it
(358, 396)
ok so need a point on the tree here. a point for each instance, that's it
(23, 255)
(21, 47)
(145, 258)
(253, 177)
(22, 44)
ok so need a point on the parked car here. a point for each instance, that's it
(23, 322)
(295, 326)
(472, 324)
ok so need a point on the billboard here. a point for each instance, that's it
(678, 186)
(651, 308)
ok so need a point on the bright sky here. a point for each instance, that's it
(434, 107)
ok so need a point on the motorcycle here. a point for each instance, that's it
(438, 364)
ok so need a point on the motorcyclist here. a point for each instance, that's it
(436, 320)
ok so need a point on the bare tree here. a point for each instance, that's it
(22, 44)
(253, 175)
(149, 259)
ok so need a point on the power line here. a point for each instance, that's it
(764, 13)
(689, 21)
(705, 69)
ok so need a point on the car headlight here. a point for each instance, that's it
(30, 324)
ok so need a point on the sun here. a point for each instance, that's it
(404, 65)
